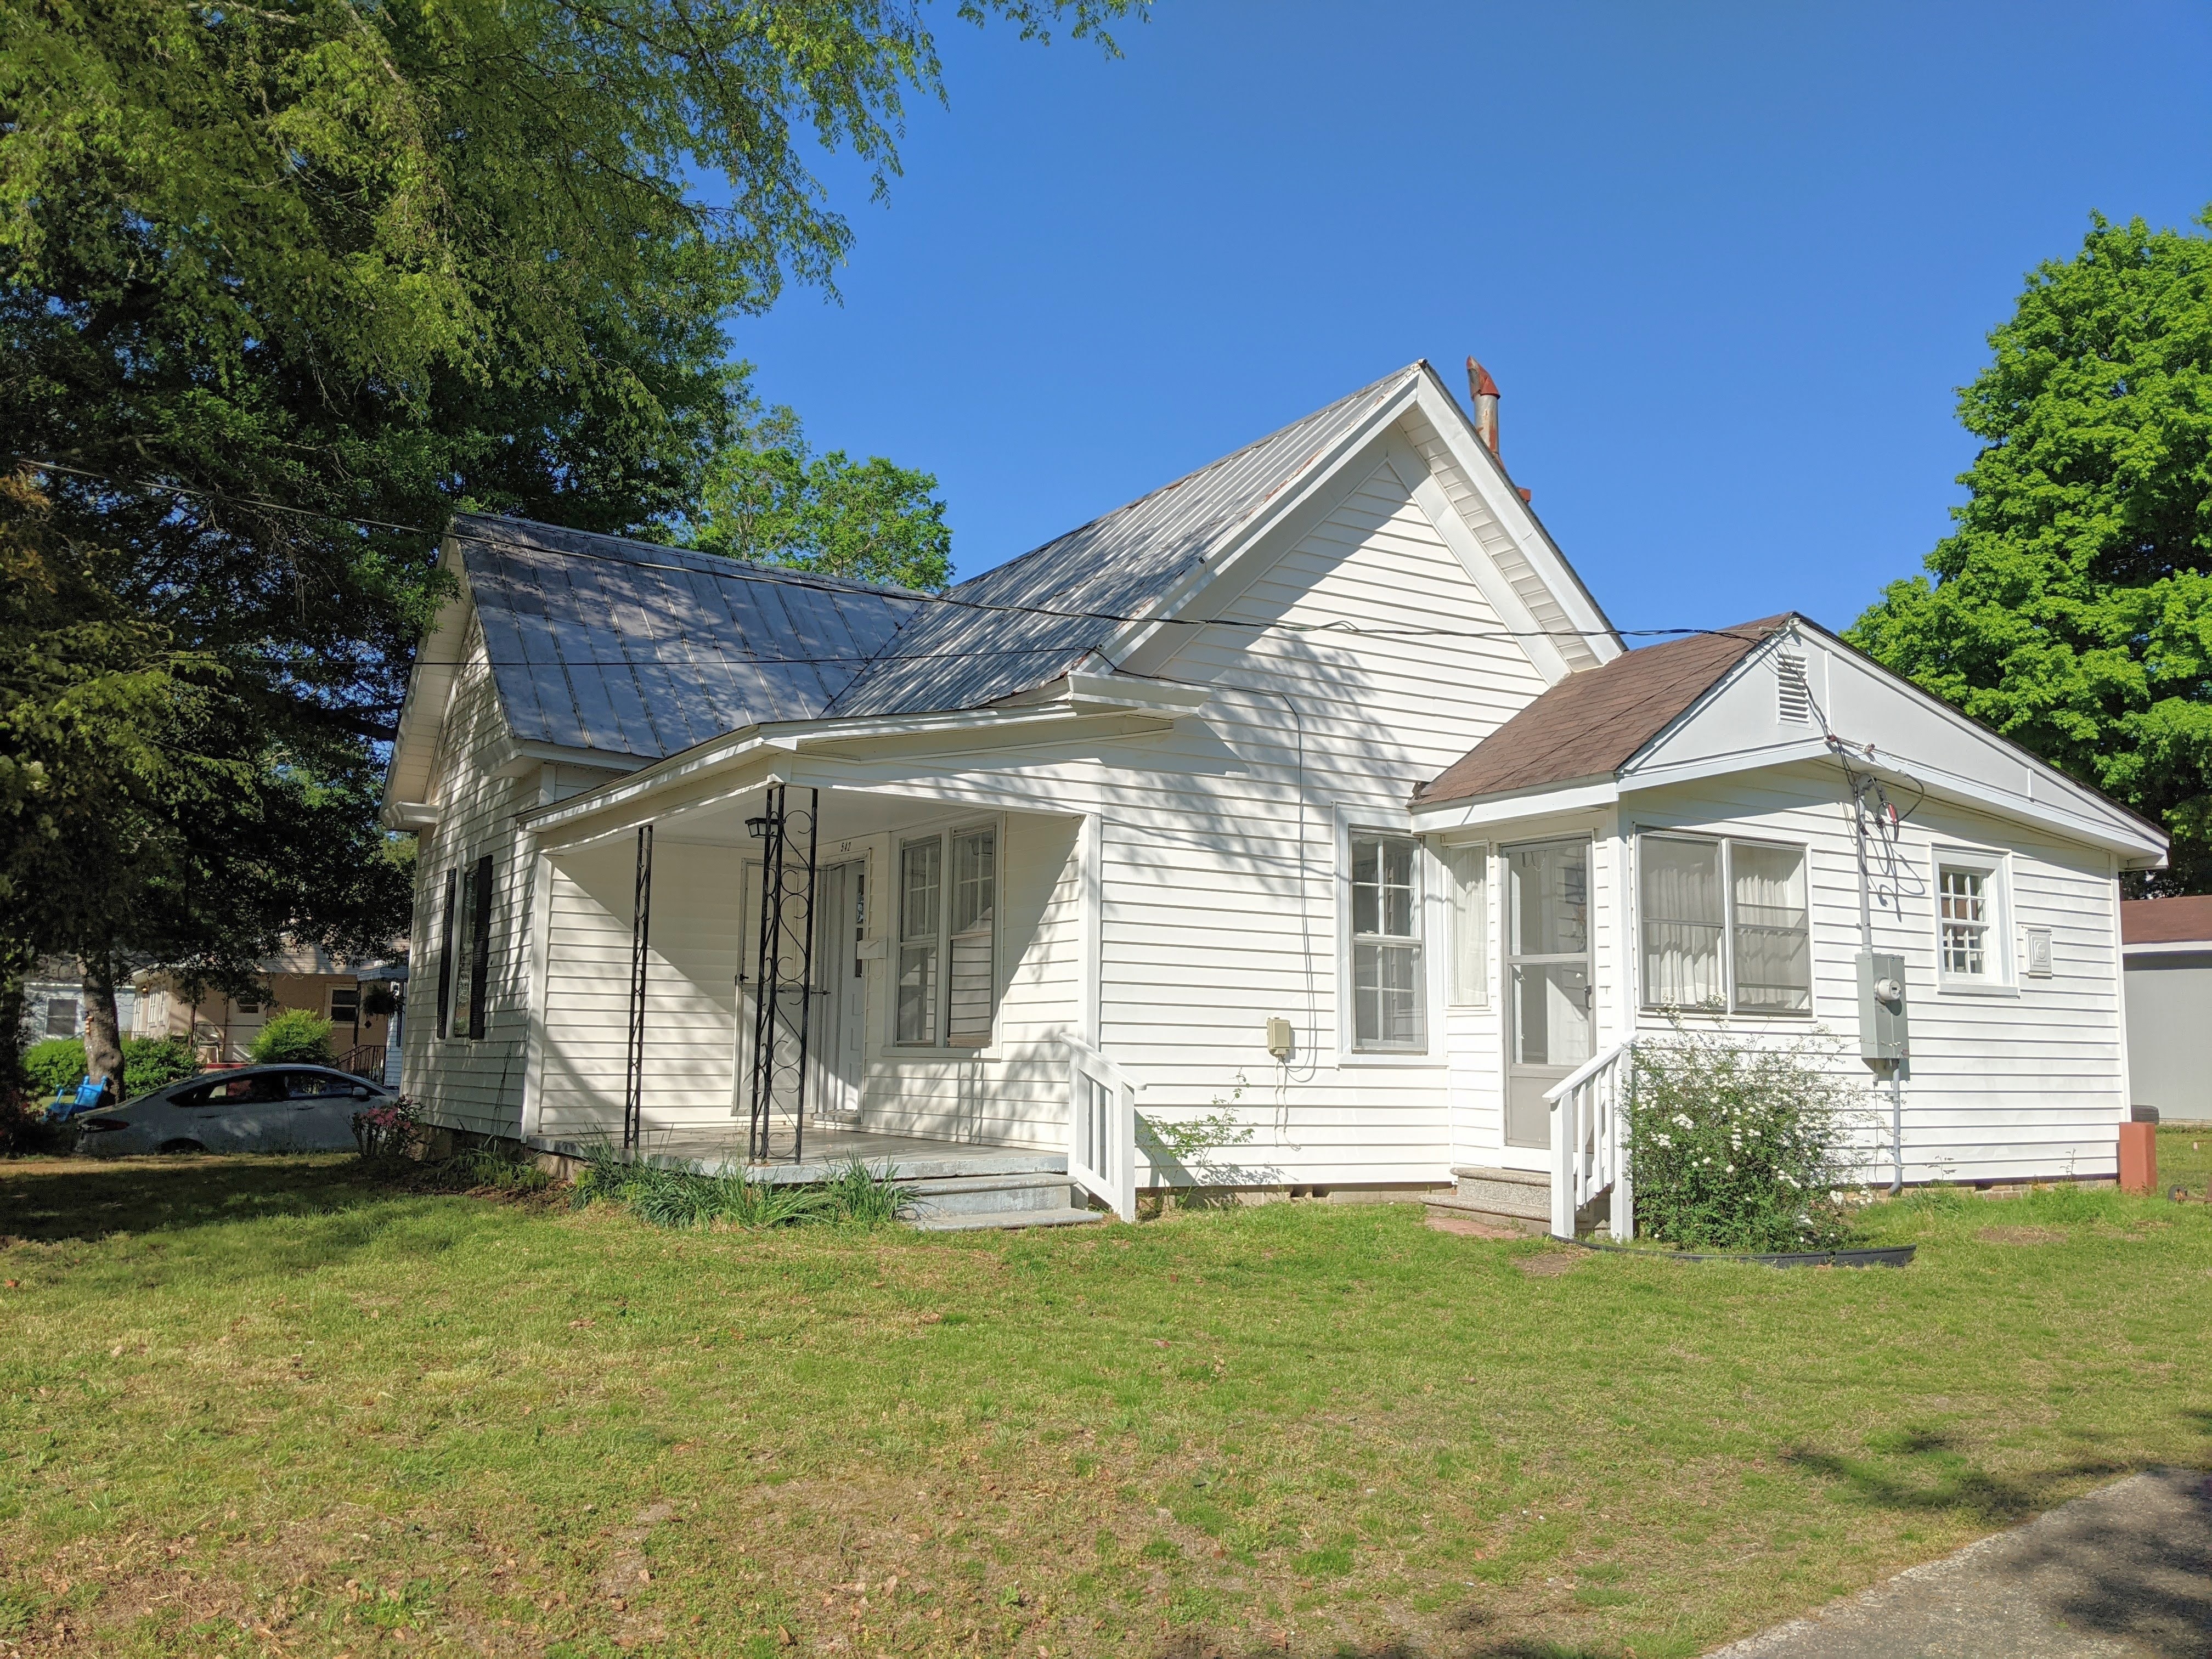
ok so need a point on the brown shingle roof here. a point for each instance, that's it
(2181, 920)
(1591, 724)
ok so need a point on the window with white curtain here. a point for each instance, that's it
(1726, 925)
(974, 904)
(1468, 869)
(1389, 1013)
(921, 903)
(946, 992)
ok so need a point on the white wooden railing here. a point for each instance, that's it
(1589, 1140)
(1101, 1130)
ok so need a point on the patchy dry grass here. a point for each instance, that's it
(261, 1406)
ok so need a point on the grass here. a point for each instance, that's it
(266, 1405)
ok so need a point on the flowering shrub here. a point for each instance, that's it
(389, 1128)
(1738, 1148)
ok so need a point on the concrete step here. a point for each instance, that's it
(977, 1221)
(1525, 1192)
(990, 1194)
(1451, 1204)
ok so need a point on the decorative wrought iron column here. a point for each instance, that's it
(641, 929)
(784, 976)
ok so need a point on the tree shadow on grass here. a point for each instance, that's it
(50, 1200)
(1936, 1476)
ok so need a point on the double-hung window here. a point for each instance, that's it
(1969, 920)
(1388, 1000)
(1726, 925)
(947, 987)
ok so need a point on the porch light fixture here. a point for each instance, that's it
(757, 827)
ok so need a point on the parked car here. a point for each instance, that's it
(258, 1108)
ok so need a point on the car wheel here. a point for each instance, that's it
(181, 1147)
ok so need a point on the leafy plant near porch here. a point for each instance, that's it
(1189, 1147)
(298, 1035)
(855, 1196)
(1740, 1148)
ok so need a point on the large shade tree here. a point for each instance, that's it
(282, 285)
(2071, 609)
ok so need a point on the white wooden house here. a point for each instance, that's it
(1313, 786)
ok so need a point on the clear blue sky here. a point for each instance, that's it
(1728, 262)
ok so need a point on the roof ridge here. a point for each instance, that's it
(700, 560)
(1217, 462)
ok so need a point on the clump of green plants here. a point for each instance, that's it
(1188, 1152)
(147, 1063)
(855, 1196)
(1741, 1148)
(295, 1037)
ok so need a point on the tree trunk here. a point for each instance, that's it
(11, 1029)
(103, 1035)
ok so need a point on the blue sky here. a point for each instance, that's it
(1728, 262)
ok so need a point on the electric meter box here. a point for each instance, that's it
(1881, 1006)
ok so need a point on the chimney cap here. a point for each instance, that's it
(1479, 383)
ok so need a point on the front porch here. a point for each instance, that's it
(777, 981)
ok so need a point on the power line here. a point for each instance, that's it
(745, 571)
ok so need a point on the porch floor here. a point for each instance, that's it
(830, 1147)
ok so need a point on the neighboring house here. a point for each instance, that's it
(2168, 945)
(1314, 782)
(222, 1028)
(54, 1002)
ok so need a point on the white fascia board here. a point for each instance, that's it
(512, 757)
(429, 690)
(1542, 651)
(408, 815)
(1132, 695)
(662, 774)
(1486, 474)
(1316, 474)
(2169, 947)
(1574, 797)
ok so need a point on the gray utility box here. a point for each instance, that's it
(1881, 1006)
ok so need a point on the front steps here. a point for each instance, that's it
(974, 1203)
(1512, 1201)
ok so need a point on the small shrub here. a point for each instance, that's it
(1739, 1148)
(295, 1036)
(56, 1063)
(151, 1063)
(388, 1129)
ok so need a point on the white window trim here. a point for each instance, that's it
(2001, 947)
(1638, 834)
(887, 910)
(1430, 876)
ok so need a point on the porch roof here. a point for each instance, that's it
(1592, 724)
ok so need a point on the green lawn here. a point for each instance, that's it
(262, 1405)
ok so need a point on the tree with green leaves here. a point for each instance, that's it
(768, 498)
(282, 287)
(2071, 609)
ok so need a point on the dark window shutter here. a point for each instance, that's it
(480, 947)
(446, 949)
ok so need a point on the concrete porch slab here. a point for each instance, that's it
(829, 1148)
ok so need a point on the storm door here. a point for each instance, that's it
(1547, 980)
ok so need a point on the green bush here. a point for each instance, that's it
(56, 1063)
(1738, 1148)
(147, 1063)
(298, 1036)
(855, 1196)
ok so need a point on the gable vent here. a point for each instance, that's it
(1794, 701)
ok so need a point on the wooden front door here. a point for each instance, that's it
(1548, 979)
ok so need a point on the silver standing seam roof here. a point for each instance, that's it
(600, 642)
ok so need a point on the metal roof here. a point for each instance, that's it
(626, 647)
(957, 656)
(603, 643)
